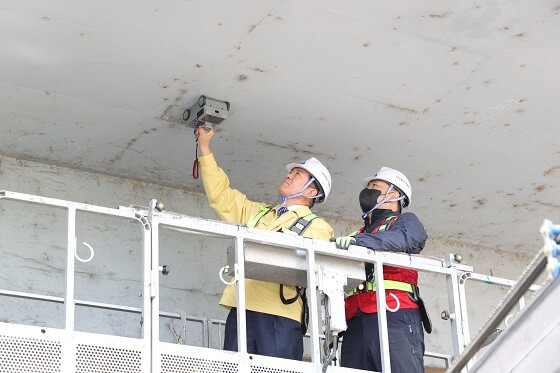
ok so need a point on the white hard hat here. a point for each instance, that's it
(319, 172)
(394, 177)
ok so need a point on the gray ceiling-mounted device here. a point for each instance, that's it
(207, 111)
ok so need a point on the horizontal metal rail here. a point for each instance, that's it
(68, 205)
(493, 280)
(358, 253)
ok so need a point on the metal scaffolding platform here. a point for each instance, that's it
(316, 264)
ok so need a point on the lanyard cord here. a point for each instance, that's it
(195, 163)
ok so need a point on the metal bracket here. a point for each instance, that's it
(331, 283)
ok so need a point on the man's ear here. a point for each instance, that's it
(396, 193)
(311, 191)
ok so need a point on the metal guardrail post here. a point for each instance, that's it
(151, 270)
(455, 311)
(382, 319)
(241, 304)
(315, 328)
(67, 362)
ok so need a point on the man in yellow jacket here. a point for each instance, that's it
(273, 323)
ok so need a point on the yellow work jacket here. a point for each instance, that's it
(234, 206)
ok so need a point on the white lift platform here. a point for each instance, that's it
(257, 254)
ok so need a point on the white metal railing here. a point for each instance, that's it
(67, 361)
(314, 249)
(325, 267)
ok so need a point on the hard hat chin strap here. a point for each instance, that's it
(300, 193)
(384, 200)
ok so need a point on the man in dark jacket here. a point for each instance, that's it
(386, 228)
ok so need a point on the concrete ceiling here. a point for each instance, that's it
(461, 96)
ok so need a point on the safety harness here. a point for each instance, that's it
(411, 290)
(387, 284)
(370, 284)
(298, 227)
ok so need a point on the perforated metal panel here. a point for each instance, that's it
(98, 359)
(261, 369)
(29, 355)
(181, 364)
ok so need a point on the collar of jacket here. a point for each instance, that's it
(377, 216)
(289, 217)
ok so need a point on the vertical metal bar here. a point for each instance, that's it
(205, 334)
(146, 298)
(382, 318)
(220, 344)
(153, 269)
(314, 328)
(463, 317)
(68, 355)
(455, 312)
(70, 268)
(241, 305)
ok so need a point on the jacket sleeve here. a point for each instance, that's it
(406, 235)
(230, 204)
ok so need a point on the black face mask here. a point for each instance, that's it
(368, 198)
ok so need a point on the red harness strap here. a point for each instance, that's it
(366, 301)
